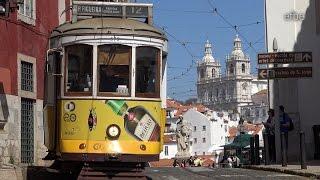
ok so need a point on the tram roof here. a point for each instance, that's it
(114, 26)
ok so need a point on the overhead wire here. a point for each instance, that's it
(215, 10)
(184, 45)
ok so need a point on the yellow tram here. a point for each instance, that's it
(105, 85)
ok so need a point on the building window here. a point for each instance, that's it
(226, 140)
(26, 76)
(168, 114)
(204, 153)
(27, 131)
(194, 128)
(257, 113)
(27, 11)
(201, 73)
(231, 69)
(213, 72)
(225, 128)
(264, 112)
(166, 150)
(203, 140)
(195, 140)
(243, 67)
(190, 143)
(204, 128)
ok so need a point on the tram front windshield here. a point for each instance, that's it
(114, 69)
(114, 76)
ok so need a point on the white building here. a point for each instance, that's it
(169, 146)
(209, 131)
(295, 24)
(232, 90)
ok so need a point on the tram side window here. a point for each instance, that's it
(147, 72)
(79, 68)
(114, 69)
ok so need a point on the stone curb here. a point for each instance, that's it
(286, 171)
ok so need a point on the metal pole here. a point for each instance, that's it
(266, 149)
(303, 150)
(252, 158)
(257, 148)
(284, 150)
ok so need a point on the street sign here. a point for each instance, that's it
(285, 57)
(287, 72)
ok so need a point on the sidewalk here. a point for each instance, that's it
(10, 173)
(313, 169)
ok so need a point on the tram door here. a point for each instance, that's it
(52, 77)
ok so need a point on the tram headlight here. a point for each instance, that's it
(113, 131)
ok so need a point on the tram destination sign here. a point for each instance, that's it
(285, 57)
(109, 10)
(287, 72)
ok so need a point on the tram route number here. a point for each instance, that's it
(137, 11)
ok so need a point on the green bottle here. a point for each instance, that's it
(138, 122)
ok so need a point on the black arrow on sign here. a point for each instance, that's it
(307, 57)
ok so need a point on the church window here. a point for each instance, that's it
(243, 67)
(257, 113)
(248, 112)
(201, 73)
(231, 69)
(213, 72)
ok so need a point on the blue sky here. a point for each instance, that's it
(192, 22)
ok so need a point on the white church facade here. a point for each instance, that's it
(229, 91)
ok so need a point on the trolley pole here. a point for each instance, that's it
(256, 147)
(303, 150)
(284, 150)
(252, 157)
(266, 149)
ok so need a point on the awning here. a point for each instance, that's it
(239, 141)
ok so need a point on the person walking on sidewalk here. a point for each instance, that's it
(284, 127)
(269, 125)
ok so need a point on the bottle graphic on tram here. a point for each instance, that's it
(137, 121)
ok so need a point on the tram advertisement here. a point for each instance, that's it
(136, 120)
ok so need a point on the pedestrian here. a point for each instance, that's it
(183, 163)
(236, 161)
(229, 161)
(190, 161)
(175, 163)
(269, 126)
(284, 127)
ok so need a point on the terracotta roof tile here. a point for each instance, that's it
(169, 138)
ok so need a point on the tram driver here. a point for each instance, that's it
(110, 79)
